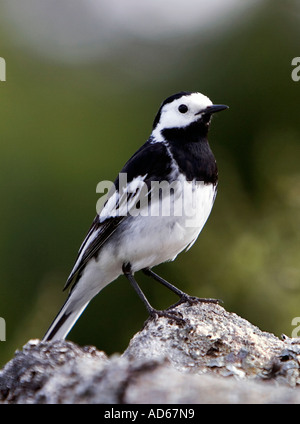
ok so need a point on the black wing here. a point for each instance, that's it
(152, 162)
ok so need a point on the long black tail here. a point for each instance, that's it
(65, 319)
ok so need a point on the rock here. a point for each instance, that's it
(210, 356)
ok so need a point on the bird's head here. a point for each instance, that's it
(184, 109)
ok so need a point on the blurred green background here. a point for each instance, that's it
(83, 86)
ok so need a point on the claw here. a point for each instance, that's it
(193, 300)
(172, 315)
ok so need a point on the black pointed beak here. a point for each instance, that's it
(213, 109)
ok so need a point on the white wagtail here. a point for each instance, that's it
(177, 153)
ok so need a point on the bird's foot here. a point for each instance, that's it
(167, 313)
(192, 300)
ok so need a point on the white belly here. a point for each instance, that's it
(146, 241)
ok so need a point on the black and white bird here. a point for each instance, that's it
(139, 226)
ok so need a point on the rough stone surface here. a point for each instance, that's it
(212, 356)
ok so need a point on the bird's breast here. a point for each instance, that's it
(171, 223)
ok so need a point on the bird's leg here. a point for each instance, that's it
(152, 311)
(184, 297)
(129, 275)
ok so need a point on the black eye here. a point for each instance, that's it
(183, 108)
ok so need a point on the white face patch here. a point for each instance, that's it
(171, 117)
